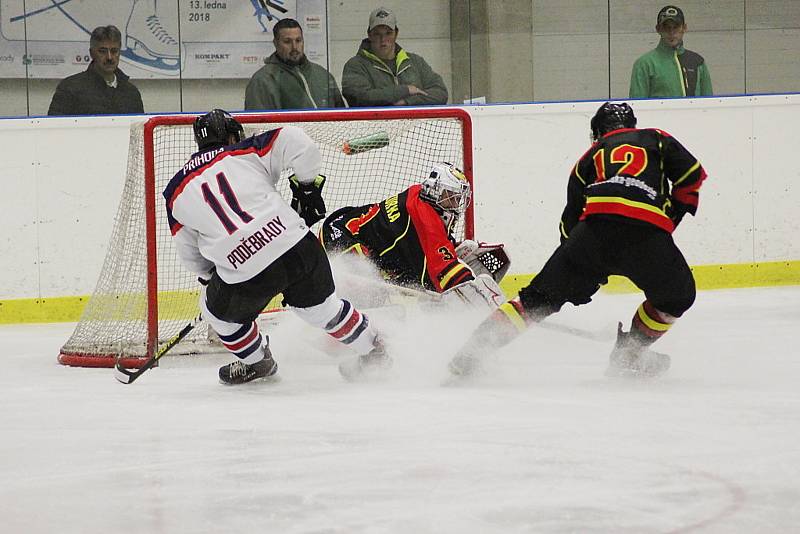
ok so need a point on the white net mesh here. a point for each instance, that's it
(364, 160)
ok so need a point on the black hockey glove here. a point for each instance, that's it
(307, 199)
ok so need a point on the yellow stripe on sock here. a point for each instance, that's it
(651, 323)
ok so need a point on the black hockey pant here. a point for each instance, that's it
(303, 274)
(599, 247)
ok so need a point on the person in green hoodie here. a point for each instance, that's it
(670, 69)
(382, 73)
(288, 80)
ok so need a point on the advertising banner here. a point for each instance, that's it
(160, 38)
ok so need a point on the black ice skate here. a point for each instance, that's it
(373, 365)
(239, 372)
(630, 359)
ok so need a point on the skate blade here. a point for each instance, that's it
(459, 381)
(467, 367)
(474, 374)
(352, 371)
(274, 379)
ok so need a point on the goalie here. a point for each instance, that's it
(408, 237)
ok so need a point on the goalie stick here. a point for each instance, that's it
(126, 376)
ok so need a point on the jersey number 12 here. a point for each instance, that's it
(633, 160)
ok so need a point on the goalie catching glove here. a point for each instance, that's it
(484, 258)
(307, 199)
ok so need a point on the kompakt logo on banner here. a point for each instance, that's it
(211, 57)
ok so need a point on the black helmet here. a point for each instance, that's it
(215, 128)
(612, 117)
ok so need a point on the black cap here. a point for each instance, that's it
(670, 13)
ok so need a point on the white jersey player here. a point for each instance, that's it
(234, 230)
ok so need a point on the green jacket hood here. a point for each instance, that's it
(400, 55)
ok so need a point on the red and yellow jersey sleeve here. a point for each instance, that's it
(442, 265)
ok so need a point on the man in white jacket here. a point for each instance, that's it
(246, 244)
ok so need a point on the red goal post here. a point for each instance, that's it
(144, 295)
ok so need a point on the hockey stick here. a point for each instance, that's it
(574, 331)
(126, 377)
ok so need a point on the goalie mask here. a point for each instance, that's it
(448, 190)
(612, 117)
(215, 128)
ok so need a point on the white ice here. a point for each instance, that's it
(544, 444)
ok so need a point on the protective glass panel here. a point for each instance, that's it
(194, 55)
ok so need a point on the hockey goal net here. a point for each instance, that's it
(144, 295)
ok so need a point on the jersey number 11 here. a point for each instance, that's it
(230, 199)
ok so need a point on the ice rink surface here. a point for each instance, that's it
(545, 443)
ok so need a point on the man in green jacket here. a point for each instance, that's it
(383, 74)
(288, 80)
(670, 69)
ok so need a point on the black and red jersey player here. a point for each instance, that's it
(408, 235)
(625, 197)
